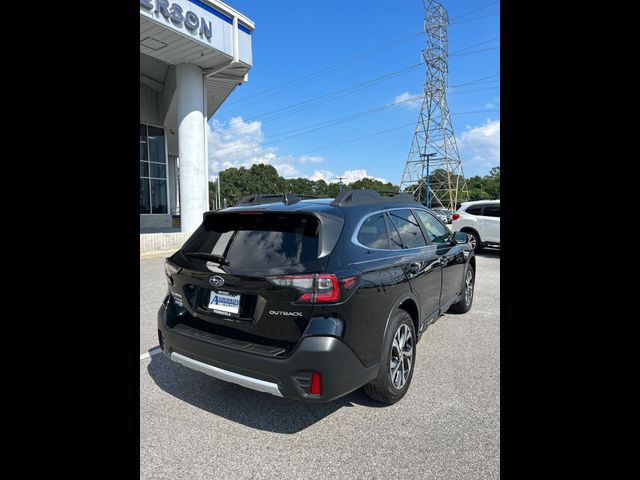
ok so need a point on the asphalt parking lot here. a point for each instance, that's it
(447, 426)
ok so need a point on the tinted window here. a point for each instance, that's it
(394, 237)
(492, 211)
(474, 210)
(408, 228)
(258, 241)
(373, 233)
(438, 233)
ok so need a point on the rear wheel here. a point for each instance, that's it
(474, 240)
(464, 304)
(398, 359)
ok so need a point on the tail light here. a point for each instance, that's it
(455, 216)
(315, 287)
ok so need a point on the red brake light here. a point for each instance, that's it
(315, 287)
(316, 384)
(455, 216)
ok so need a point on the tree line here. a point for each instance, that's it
(236, 183)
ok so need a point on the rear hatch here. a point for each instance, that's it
(236, 274)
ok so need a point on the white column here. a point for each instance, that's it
(191, 146)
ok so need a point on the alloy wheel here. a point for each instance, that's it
(468, 287)
(473, 241)
(401, 356)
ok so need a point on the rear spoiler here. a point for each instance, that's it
(264, 198)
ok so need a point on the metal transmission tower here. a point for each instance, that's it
(434, 150)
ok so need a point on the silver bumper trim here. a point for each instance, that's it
(226, 375)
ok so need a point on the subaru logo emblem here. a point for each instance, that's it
(216, 281)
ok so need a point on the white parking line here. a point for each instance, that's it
(150, 352)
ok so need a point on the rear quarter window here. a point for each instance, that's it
(373, 232)
(474, 210)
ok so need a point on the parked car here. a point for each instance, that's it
(312, 299)
(481, 220)
(442, 215)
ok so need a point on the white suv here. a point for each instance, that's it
(481, 220)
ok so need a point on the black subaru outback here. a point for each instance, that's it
(312, 299)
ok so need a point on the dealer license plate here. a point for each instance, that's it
(224, 303)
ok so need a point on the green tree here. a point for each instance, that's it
(261, 178)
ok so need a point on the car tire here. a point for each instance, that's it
(466, 299)
(389, 387)
(474, 240)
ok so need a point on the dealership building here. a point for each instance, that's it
(193, 53)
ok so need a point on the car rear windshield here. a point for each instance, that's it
(258, 240)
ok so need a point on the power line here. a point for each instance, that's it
(280, 88)
(475, 45)
(288, 85)
(474, 19)
(351, 89)
(473, 11)
(385, 131)
(315, 101)
(475, 51)
(475, 82)
(476, 90)
(338, 120)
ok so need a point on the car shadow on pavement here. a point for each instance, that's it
(489, 252)
(250, 408)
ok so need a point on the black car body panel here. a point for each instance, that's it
(277, 338)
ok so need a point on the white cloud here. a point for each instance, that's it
(321, 175)
(354, 175)
(411, 105)
(308, 159)
(348, 176)
(237, 143)
(481, 145)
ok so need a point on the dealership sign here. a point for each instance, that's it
(193, 18)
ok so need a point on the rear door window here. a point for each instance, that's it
(408, 228)
(373, 232)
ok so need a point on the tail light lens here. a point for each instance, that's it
(455, 216)
(315, 287)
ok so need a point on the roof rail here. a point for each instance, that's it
(348, 198)
(264, 198)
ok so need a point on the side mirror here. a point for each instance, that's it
(460, 237)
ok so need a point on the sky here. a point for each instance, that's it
(325, 74)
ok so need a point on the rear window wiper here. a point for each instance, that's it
(208, 256)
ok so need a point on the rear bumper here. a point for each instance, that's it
(289, 377)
